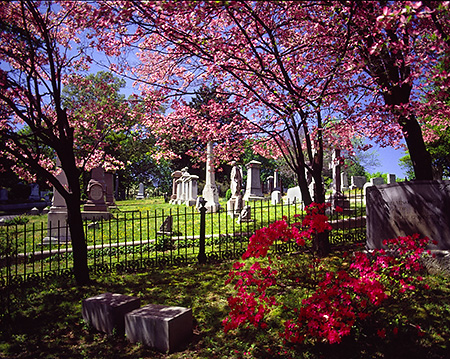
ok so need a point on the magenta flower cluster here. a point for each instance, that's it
(342, 297)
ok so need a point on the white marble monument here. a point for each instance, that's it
(57, 228)
(235, 204)
(210, 191)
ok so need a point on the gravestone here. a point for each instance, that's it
(141, 191)
(35, 195)
(405, 208)
(192, 190)
(276, 194)
(245, 215)
(109, 196)
(236, 203)
(357, 182)
(270, 184)
(338, 199)
(275, 197)
(175, 176)
(57, 229)
(166, 226)
(210, 191)
(376, 181)
(3, 195)
(344, 181)
(95, 207)
(293, 195)
(106, 312)
(391, 178)
(159, 326)
(253, 191)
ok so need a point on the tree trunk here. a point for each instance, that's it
(303, 185)
(420, 157)
(75, 222)
(321, 242)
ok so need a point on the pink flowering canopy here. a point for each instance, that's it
(40, 54)
(292, 73)
(277, 66)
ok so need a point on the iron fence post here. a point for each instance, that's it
(201, 252)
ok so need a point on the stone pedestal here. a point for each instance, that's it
(253, 190)
(106, 312)
(158, 326)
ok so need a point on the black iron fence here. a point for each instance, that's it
(135, 240)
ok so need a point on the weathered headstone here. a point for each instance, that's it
(357, 182)
(405, 208)
(95, 207)
(275, 197)
(158, 326)
(276, 193)
(276, 181)
(293, 195)
(253, 191)
(106, 312)
(141, 191)
(210, 191)
(3, 195)
(166, 226)
(245, 215)
(35, 195)
(182, 186)
(376, 181)
(109, 196)
(344, 181)
(336, 170)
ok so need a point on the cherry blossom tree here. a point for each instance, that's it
(37, 59)
(397, 45)
(277, 65)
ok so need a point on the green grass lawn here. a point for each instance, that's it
(45, 321)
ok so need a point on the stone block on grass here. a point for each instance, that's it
(164, 328)
(106, 312)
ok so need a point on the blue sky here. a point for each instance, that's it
(388, 158)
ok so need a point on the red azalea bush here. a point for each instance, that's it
(341, 298)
